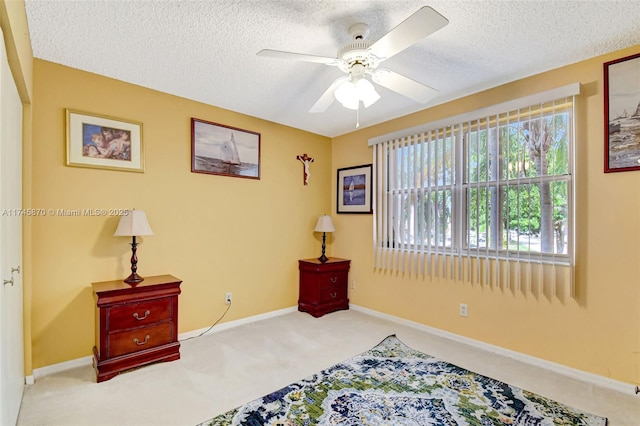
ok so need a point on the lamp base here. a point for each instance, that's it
(323, 258)
(133, 279)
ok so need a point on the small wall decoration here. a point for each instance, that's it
(306, 161)
(217, 149)
(103, 142)
(622, 114)
(354, 189)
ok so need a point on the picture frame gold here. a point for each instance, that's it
(103, 142)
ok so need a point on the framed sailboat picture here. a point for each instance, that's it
(622, 114)
(217, 149)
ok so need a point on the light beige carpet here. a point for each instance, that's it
(224, 369)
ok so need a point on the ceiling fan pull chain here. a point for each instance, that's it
(358, 116)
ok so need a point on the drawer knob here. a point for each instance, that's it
(333, 295)
(333, 279)
(137, 342)
(146, 314)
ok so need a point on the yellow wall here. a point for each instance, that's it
(599, 330)
(216, 233)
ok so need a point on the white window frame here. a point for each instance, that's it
(457, 261)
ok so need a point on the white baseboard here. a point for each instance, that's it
(573, 373)
(56, 368)
(88, 360)
(527, 359)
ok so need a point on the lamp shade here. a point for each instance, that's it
(133, 224)
(325, 224)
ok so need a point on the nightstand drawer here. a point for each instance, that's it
(332, 279)
(333, 293)
(139, 339)
(132, 315)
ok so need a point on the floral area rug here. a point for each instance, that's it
(393, 384)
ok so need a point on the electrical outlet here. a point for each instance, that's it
(227, 298)
(464, 310)
(353, 284)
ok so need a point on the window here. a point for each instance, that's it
(472, 196)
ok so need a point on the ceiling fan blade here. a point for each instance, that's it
(297, 56)
(404, 85)
(327, 97)
(410, 31)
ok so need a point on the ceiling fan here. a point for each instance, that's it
(361, 58)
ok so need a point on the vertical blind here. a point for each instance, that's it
(485, 197)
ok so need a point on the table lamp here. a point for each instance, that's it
(324, 225)
(133, 224)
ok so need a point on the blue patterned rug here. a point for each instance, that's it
(393, 384)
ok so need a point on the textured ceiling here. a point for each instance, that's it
(206, 50)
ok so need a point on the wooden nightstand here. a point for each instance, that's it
(323, 286)
(135, 326)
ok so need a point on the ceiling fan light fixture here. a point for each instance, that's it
(366, 92)
(349, 94)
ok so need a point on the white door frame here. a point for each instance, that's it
(12, 379)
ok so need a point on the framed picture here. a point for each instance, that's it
(217, 149)
(622, 114)
(355, 190)
(103, 142)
